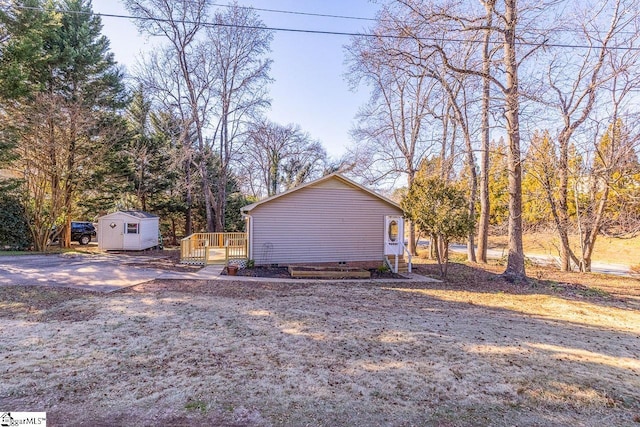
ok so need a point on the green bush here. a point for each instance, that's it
(14, 230)
(383, 268)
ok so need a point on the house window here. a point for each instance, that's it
(393, 231)
(132, 228)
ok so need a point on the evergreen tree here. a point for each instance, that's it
(139, 166)
(61, 115)
(438, 209)
(27, 29)
(540, 173)
(14, 230)
(498, 183)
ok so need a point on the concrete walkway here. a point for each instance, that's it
(213, 272)
(111, 272)
(209, 272)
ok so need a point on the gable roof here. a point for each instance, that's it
(140, 214)
(132, 213)
(335, 175)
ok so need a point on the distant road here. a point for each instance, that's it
(596, 267)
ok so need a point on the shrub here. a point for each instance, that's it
(14, 230)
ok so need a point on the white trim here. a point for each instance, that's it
(336, 175)
(129, 215)
(250, 242)
(126, 227)
(393, 247)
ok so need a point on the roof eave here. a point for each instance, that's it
(248, 208)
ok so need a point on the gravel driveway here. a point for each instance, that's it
(96, 272)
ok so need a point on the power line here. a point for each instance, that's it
(292, 12)
(247, 27)
(323, 32)
(359, 18)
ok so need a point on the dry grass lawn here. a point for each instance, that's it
(472, 351)
(608, 249)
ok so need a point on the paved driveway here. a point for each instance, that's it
(97, 272)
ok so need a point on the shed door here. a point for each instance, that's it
(113, 234)
(393, 232)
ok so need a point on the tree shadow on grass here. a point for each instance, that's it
(604, 290)
(343, 353)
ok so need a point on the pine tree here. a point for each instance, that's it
(61, 114)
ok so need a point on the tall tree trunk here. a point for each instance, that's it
(515, 261)
(55, 172)
(69, 182)
(224, 166)
(413, 244)
(204, 176)
(444, 170)
(206, 192)
(188, 218)
(473, 182)
(461, 122)
(197, 121)
(221, 203)
(591, 233)
(567, 108)
(563, 205)
(485, 205)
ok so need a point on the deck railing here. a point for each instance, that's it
(213, 248)
(394, 266)
(408, 252)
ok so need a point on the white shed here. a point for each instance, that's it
(128, 230)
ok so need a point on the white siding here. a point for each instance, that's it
(146, 238)
(131, 241)
(148, 233)
(327, 222)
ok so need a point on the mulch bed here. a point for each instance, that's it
(283, 273)
(268, 272)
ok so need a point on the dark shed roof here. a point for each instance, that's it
(140, 214)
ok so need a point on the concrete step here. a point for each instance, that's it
(403, 266)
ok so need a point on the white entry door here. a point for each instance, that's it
(113, 234)
(393, 233)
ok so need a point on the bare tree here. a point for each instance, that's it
(59, 107)
(239, 45)
(485, 206)
(42, 164)
(213, 74)
(277, 158)
(456, 87)
(515, 261)
(614, 160)
(459, 18)
(576, 86)
(392, 135)
(178, 77)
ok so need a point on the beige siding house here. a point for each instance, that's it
(331, 220)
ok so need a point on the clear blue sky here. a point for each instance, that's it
(308, 69)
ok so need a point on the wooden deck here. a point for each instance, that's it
(213, 248)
